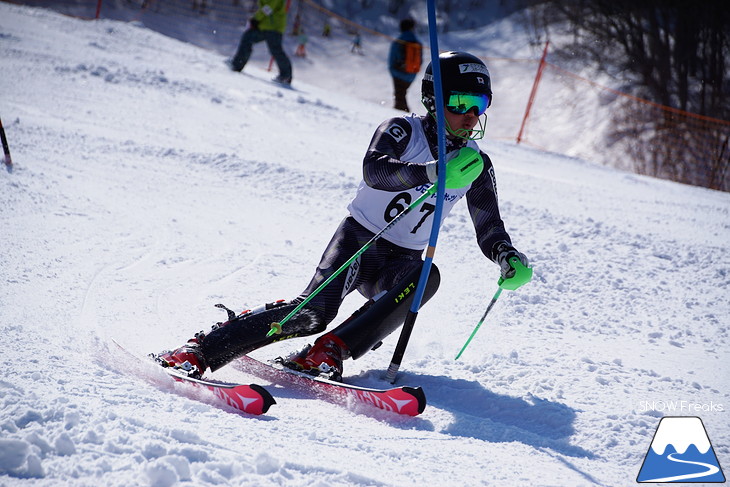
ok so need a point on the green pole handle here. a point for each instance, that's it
(522, 276)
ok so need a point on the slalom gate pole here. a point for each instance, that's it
(276, 326)
(533, 92)
(410, 320)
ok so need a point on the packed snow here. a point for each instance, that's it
(149, 183)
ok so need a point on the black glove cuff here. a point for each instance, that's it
(499, 247)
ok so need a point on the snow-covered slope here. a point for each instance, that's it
(151, 183)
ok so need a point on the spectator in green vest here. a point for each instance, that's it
(267, 24)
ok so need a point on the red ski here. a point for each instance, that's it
(405, 400)
(248, 398)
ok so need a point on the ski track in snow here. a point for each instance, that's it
(150, 184)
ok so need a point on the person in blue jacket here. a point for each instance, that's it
(404, 62)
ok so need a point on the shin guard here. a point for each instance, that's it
(247, 332)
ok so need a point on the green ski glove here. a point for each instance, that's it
(522, 275)
(515, 266)
(463, 166)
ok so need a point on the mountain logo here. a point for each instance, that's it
(680, 452)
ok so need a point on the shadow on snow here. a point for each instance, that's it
(485, 415)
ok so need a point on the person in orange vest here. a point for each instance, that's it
(404, 62)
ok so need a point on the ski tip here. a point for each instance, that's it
(265, 395)
(420, 396)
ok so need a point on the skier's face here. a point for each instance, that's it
(461, 125)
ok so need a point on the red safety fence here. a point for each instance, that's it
(553, 110)
(630, 133)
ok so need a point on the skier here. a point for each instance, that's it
(356, 44)
(302, 38)
(398, 168)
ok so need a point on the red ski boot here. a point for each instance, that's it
(188, 358)
(323, 358)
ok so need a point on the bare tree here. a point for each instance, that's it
(672, 52)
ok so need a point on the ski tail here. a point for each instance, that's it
(267, 400)
(419, 395)
(410, 401)
(248, 398)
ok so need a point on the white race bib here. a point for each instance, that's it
(374, 209)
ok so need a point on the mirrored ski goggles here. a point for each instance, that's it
(461, 103)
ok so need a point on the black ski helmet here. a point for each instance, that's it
(460, 71)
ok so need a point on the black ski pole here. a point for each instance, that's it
(6, 149)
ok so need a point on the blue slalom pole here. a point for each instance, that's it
(410, 320)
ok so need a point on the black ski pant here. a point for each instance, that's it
(273, 40)
(400, 88)
(385, 273)
(377, 269)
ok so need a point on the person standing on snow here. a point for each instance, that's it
(399, 166)
(404, 62)
(267, 24)
(356, 44)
